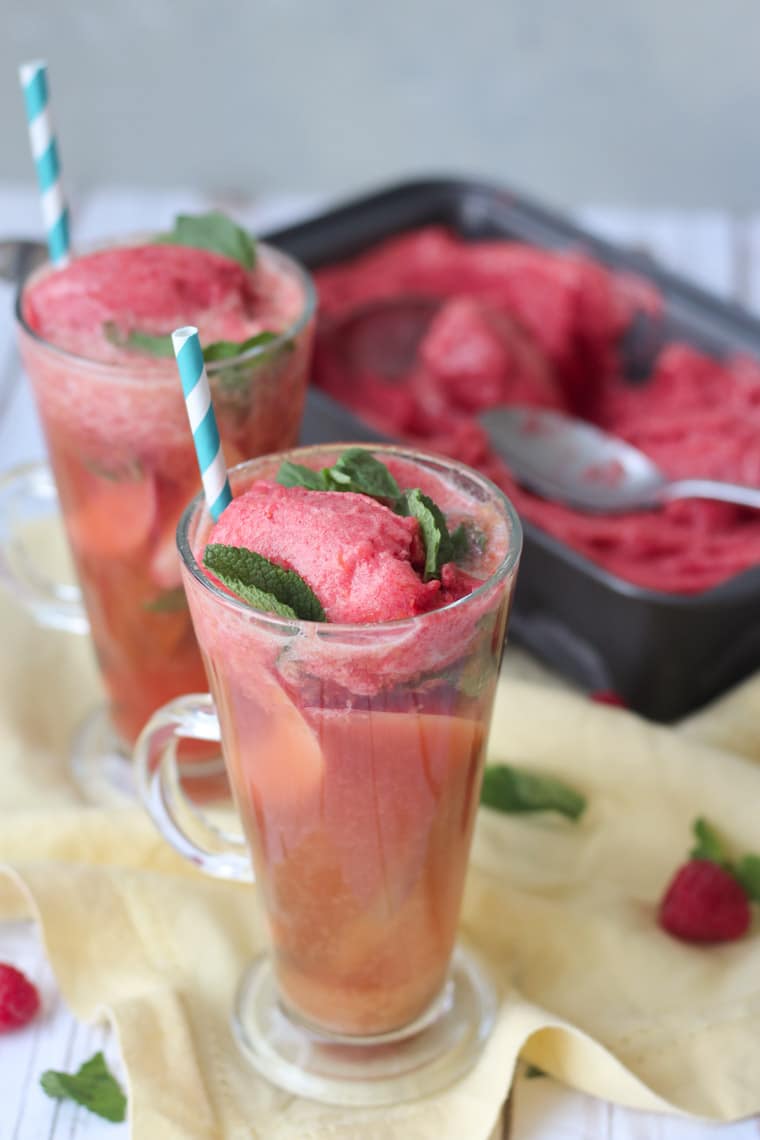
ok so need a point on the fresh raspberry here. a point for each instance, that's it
(704, 903)
(608, 697)
(19, 1000)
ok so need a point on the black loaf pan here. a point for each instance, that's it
(663, 654)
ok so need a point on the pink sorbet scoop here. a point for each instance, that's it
(362, 561)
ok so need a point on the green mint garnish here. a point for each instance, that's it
(214, 232)
(168, 602)
(511, 789)
(709, 845)
(532, 1072)
(226, 349)
(159, 345)
(356, 470)
(748, 873)
(130, 471)
(93, 1086)
(435, 535)
(259, 599)
(359, 471)
(459, 542)
(296, 475)
(262, 583)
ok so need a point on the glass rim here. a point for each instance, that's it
(502, 571)
(122, 370)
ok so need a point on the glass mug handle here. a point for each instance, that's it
(26, 493)
(187, 829)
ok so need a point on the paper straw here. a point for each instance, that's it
(200, 412)
(55, 213)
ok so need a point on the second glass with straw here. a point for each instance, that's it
(94, 335)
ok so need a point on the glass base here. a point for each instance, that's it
(101, 763)
(412, 1062)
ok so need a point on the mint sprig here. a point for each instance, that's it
(93, 1086)
(214, 232)
(712, 848)
(297, 475)
(515, 790)
(709, 845)
(748, 873)
(263, 584)
(159, 344)
(227, 349)
(357, 470)
(167, 602)
(435, 534)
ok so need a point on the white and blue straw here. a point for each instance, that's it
(200, 412)
(55, 213)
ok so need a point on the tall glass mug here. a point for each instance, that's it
(355, 755)
(124, 468)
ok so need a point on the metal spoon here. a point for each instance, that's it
(576, 463)
(18, 257)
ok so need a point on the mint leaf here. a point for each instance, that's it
(357, 470)
(93, 1086)
(130, 471)
(511, 789)
(226, 349)
(158, 345)
(297, 475)
(709, 845)
(261, 582)
(467, 538)
(259, 599)
(161, 344)
(432, 525)
(440, 546)
(168, 602)
(215, 232)
(747, 871)
(532, 1072)
(460, 541)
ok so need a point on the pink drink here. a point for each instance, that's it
(118, 437)
(355, 751)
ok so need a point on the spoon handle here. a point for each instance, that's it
(712, 489)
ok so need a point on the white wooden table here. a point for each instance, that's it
(717, 251)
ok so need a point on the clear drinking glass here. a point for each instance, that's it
(123, 469)
(355, 754)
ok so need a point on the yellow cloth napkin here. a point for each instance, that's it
(593, 991)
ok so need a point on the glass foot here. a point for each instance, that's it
(420, 1059)
(101, 763)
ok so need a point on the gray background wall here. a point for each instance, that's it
(645, 102)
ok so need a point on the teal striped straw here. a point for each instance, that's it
(55, 212)
(200, 412)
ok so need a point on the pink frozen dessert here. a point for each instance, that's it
(354, 724)
(104, 305)
(368, 563)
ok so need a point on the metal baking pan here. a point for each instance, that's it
(663, 654)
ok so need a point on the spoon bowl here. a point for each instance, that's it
(576, 463)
